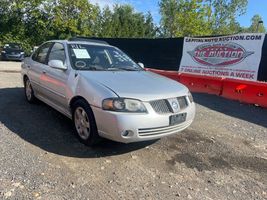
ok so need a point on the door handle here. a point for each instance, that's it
(29, 66)
(44, 72)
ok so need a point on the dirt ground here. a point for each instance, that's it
(10, 66)
(223, 155)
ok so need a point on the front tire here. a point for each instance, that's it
(84, 122)
(28, 91)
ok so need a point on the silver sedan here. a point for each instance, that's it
(106, 93)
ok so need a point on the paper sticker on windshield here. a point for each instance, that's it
(81, 53)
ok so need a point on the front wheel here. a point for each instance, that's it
(28, 91)
(84, 123)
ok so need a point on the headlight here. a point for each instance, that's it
(190, 97)
(3, 51)
(22, 53)
(124, 105)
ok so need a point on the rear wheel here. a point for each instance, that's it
(84, 123)
(29, 94)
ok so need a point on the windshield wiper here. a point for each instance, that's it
(113, 69)
(120, 69)
(128, 68)
(90, 69)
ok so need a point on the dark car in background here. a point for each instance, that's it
(12, 51)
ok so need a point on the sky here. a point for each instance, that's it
(254, 7)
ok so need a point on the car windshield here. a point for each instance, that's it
(12, 46)
(100, 58)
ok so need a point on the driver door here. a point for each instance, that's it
(55, 80)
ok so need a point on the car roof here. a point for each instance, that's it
(89, 42)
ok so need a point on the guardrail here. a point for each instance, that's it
(244, 91)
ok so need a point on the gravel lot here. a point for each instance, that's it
(223, 155)
(10, 66)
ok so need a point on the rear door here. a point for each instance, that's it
(36, 67)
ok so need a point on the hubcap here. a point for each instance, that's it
(82, 123)
(28, 90)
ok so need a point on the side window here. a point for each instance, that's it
(41, 53)
(57, 53)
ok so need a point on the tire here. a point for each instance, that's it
(84, 123)
(28, 91)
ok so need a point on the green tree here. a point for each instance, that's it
(256, 25)
(72, 17)
(201, 17)
(14, 15)
(184, 18)
(223, 15)
(123, 21)
(38, 23)
(168, 11)
(31, 22)
(192, 16)
(35, 21)
(150, 27)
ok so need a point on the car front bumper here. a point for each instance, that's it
(140, 127)
(18, 57)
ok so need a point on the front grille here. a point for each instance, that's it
(163, 107)
(160, 106)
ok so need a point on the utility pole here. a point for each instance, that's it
(259, 22)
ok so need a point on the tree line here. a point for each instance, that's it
(31, 22)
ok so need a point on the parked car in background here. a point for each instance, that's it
(105, 92)
(12, 51)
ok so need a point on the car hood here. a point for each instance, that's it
(142, 85)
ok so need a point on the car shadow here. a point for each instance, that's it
(46, 128)
(250, 113)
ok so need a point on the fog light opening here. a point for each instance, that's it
(127, 133)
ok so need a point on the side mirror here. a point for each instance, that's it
(57, 64)
(141, 65)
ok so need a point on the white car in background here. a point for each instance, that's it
(106, 93)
